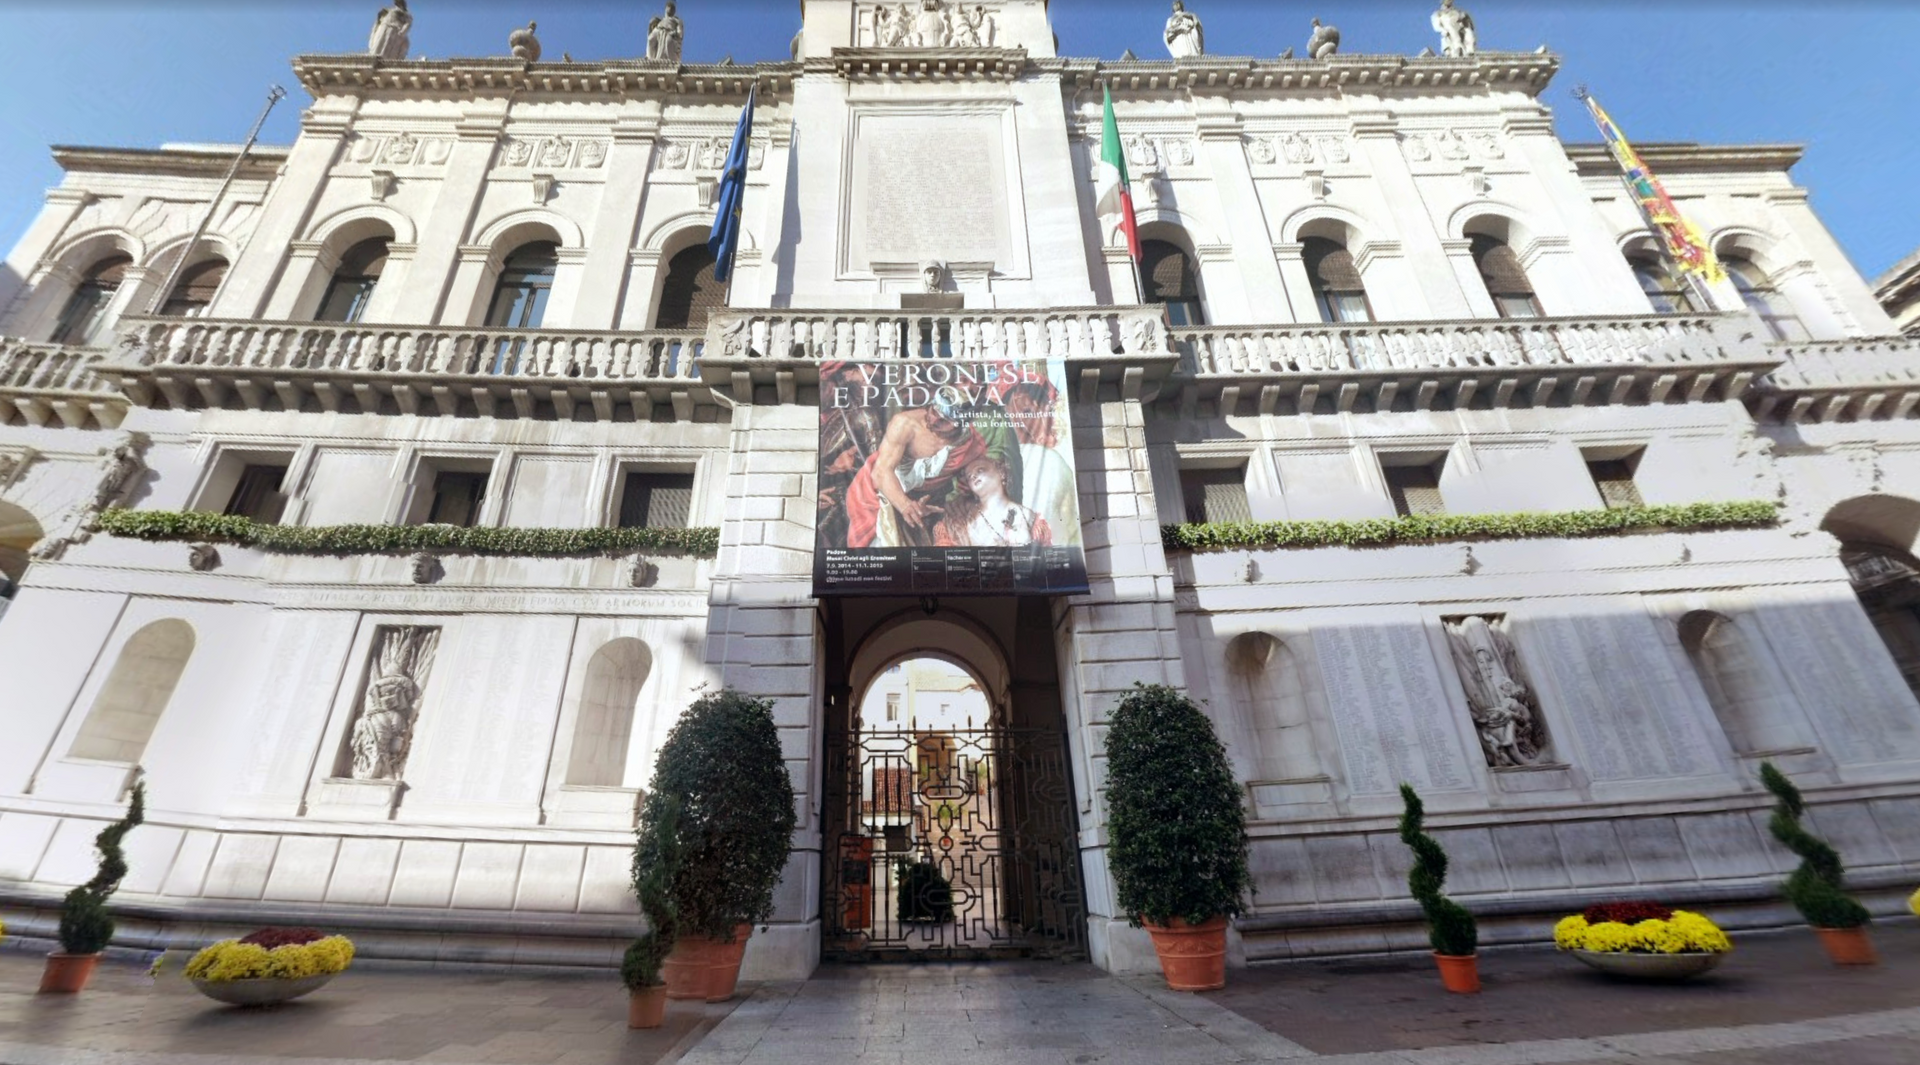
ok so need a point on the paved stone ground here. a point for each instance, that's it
(1777, 1001)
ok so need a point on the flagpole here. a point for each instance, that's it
(274, 95)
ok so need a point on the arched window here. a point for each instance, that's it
(520, 297)
(1169, 278)
(194, 292)
(1756, 288)
(129, 705)
(352, 285)
(1744, 697)
(604, 728)
(1666, 292)
(689, 293)
(1888, 584)
(1337, 289)
(1506, 281)
(88, 304)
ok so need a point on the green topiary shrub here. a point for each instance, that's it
(924, 895)
(1815, 889)
(85, 927)
(1450, 928)
(640, 967)
(717, 822)
(1177, 838)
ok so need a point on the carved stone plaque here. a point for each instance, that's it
(1623, 698)
(1384, 692)
(927, 187)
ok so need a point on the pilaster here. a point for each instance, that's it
(1253, 260)
(598, 305)
(287, 212)
(1439, 290)
(426, 296)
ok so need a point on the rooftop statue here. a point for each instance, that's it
(1324, 42)
(664, 34)
(1185, 39)
(524, 44)
(389, 37)
(1455, 27)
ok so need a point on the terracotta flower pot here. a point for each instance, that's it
(67, 974)
(1847, 946)
(647, 1007)
(1459, 973)
(700, 968)
(1193, 957)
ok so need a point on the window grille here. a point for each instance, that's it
(1215, 495)
(1415, 489)
(656, 501)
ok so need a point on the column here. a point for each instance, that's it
(597, 304)
(1605, 285)
(1435, 281)
(423, 298)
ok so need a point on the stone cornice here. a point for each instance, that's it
(1525, 71)
(1683, 158)
(921, 64)
(263, 162)
(324, 75)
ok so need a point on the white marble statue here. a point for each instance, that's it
(1506, 716)
(664, 34)
(1455, 27)
(1324, 42)
(1185, 38)
(383, 734)
(390, 27)
(117, 471)
(930, 26)
(524, 44)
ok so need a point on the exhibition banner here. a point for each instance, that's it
(946, 477)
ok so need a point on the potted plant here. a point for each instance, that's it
(1177, 839)
(85, 927)
(1450, 928)
(640, 971)
(924, 895)
(269, 966)
(1642, 939)
(1816, 889)
(717, 823)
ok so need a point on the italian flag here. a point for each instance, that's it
(1115, 192)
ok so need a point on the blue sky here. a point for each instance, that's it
(1835, 76)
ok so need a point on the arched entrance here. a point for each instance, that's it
(18, 533)
(1877, 538)
(948, 799)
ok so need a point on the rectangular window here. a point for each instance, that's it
(1415, 488)
(258, 495)
(1213, 495)
(656, 500)
(457, 498)
(893, 706)
(1614, 479)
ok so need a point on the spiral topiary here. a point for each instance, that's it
(1177, 831)
(85, 927)
(1450, 928)
(640, 967)
(1816, 888)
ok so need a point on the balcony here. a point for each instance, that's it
(1856, 380)
(1460, 365)
(191, 363)
(41, 382)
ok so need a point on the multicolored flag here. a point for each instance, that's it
(725, 238)
(1115, 192)
(1685, 246)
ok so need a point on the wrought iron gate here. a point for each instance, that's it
(951, 844)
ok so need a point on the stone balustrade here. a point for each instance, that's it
(39, 382)
(1501, 362)
(834, 335)
(200, 361)
(1857, 379)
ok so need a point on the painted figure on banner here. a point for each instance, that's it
(980, 514)
(901, 493)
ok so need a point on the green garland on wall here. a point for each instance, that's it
(207, 527)
(1431, 528)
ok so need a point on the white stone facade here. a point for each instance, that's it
(1665, 665)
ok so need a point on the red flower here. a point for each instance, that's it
(281, 937)
(1627, 912)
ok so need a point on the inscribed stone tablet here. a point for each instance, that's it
(929, 188)
(1387, 703)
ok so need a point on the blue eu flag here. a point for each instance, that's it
(725, 239)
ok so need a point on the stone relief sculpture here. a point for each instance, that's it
(665, 32)
(936, 24)
(390, 27)
(1324, 42)
(1298, 148)
(203, 558)
(383, 733)
(1506, 714)
(972, 29)
(1185, 38)
(119, 468)
(930, 26)
(524, 45)
(1455, 27)
(934, 273)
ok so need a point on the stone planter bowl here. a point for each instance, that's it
(261, 991)
(1650, 966)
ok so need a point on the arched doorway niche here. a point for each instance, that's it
(19, 531)
(1877, 536)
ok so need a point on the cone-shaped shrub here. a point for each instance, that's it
(1177, 840)
(85, 927)
(1815, 889)
(718, 820)
(1450, 928)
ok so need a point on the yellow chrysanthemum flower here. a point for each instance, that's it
(1914, 902)
(231, 959)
